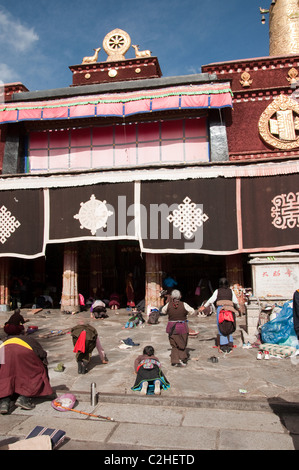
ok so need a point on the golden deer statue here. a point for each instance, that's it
(92, 59)
(139, 53)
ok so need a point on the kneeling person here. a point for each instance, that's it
(148, 369)
(23, 371)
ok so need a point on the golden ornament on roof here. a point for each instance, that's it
(116, 44)
(92, 59)
(278, 124)
(245, 79)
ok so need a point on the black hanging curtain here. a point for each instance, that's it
(100, 211)
(22, 223)
(270, 213)
(189, 216)
(205, 215)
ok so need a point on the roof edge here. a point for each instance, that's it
(114, 87)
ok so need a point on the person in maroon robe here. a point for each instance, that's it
(23, 372)
(15, 324)
(130, 291)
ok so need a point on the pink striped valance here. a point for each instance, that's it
(120, 104)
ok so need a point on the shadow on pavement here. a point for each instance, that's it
(288, 413)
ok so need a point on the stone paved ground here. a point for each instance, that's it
(236, 403)
(276, 378)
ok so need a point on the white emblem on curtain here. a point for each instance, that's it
(8, 224)
(187, 218)
(93, 215)
(285, 211)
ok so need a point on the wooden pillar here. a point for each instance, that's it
(153, 281)
(234, 274)
(4, 283)
(234, 269)
(70, 297)
(96, 274)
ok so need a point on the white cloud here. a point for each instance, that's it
(7, 74)
(14, 33)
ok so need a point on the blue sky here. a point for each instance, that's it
(40, 39)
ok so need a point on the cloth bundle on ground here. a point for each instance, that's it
(278, 350)
(281, 330)
(127, 343)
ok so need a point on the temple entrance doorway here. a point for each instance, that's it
(191, 269)
(103, 268)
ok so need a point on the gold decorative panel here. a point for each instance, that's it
(245, 79)
(293, 76)
(279, 123)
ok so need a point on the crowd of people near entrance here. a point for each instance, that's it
(23, 366)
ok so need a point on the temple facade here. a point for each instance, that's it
(125, 172)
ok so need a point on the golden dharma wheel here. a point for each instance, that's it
(116, 44)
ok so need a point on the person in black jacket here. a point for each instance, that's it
(296, 311)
